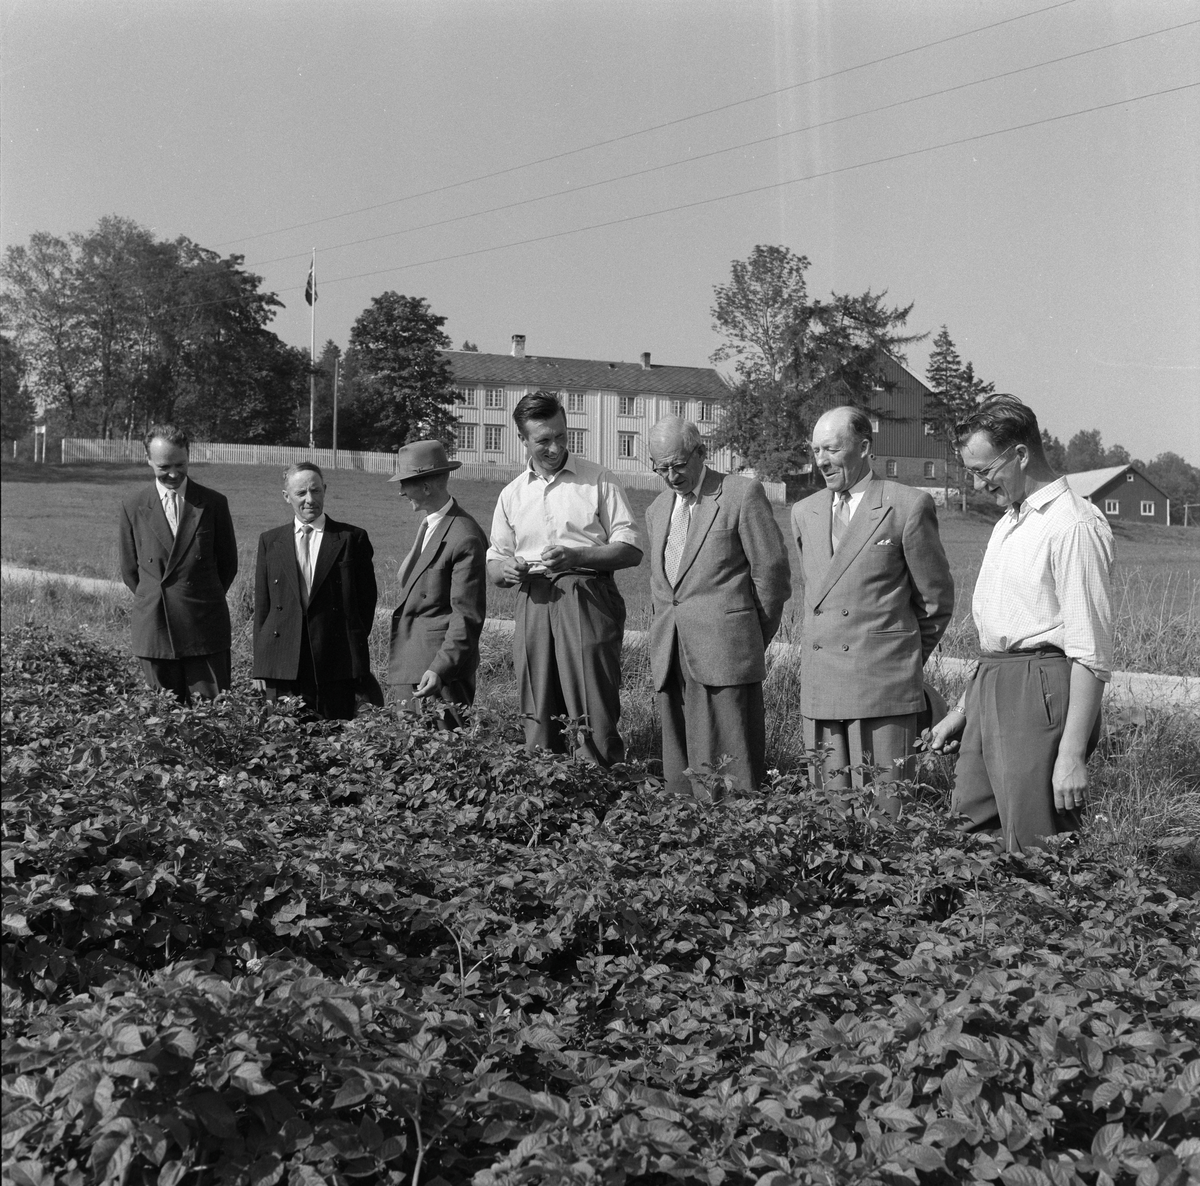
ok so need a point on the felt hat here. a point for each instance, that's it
(422, 459)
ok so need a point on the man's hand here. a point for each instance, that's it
(513, 570)
(943, 738)
(430, 685)
(558, 558)
(1069, 781)
(260, 685)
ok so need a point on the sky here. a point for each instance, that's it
(475, 154)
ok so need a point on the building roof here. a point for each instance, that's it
(1087, 482)
(553, 374)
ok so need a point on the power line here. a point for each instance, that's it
(732, 148)
(558, 156)
(760, 188)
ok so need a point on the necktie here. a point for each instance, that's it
(841, 517)
(417, 548)
(172, 509)
(306, 566)
(681, 520)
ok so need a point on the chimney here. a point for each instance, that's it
(518, 345)
(646, 361)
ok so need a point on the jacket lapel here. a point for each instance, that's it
(156, 520)
(658, 518)
(284, 546)
(333, 540)
(703, 514)
(432, 542)
(189, 520)
(870, 511)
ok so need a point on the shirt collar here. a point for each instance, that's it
(442, 511)
(163, 491)
(567, 466)
(1041, 498)
(318, 524)
(695, 490)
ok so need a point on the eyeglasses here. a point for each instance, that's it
(989, 471)
(674, 467)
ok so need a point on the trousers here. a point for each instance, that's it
(199, 676)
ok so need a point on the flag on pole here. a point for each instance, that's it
(310, 289)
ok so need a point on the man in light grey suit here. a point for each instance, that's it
(878, 596)
(719, 578)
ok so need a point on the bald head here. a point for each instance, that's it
(841, 446)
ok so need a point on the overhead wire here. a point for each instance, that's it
(653, 127)
(731, 148)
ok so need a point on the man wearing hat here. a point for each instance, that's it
(443, 589)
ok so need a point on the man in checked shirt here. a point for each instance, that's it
(1030, 716)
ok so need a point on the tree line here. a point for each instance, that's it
(103, 333)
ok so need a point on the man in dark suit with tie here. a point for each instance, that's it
(878, 596)
(178, 555)
(314, 604)
(443, 590)
(719, 579)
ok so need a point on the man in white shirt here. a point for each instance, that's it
(314, 604)
(561, 529)
(1030, 716)
(178, 556)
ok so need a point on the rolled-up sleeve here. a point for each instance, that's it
(1082, 566)
(616, 515)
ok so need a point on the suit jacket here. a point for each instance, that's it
(340, 609)
(874, 612)
(732, 584)
(443, 602)
(178, 583)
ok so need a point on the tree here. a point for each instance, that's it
(469, 346)
(120, 329)
(17, 409)
(955, 392)
(794, 356)
(1085, 451)
(1180, 482)
(1056, 452)
(405, 387)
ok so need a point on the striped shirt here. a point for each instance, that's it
(581, 506)
(1046, 580)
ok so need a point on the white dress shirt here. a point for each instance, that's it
(1046, 580)
(856, 496)
(580, 506)
(164, 496)
(313, 544)
(433, 519)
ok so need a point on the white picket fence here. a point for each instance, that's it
(80, 449)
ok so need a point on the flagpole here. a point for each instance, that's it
(312, 355)
(336, 369)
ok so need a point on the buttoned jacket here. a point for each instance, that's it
(178, 582)
(443, 603)
(339, 611)
(875, 610)
(731, 587)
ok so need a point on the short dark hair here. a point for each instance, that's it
(171, 433)
(540, 405)
(298, 467)
(1005, 421)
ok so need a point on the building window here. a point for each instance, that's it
(874, 424)
(465, 395)
(573, 401)
(679, 408)
(705, 413)
(890, 468)
(493, 438)
(930, 470)
(575, 441)
(1112, 506)
(493, 397)
(930, 429)
(1147, 507)
(627, 405)
(1129, 477)
(464, 437)
(627, 444)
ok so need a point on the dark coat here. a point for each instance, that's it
(443, 603)
(178, 584)
(874, 612)
(340, 610)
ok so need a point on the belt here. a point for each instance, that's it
(569, 572)
(1042, 652)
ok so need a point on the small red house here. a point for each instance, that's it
(1123, 493)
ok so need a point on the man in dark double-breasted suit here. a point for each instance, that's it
(314, 604)
(878, 596)
(719, 579)
(443, 590)
(178, 555)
